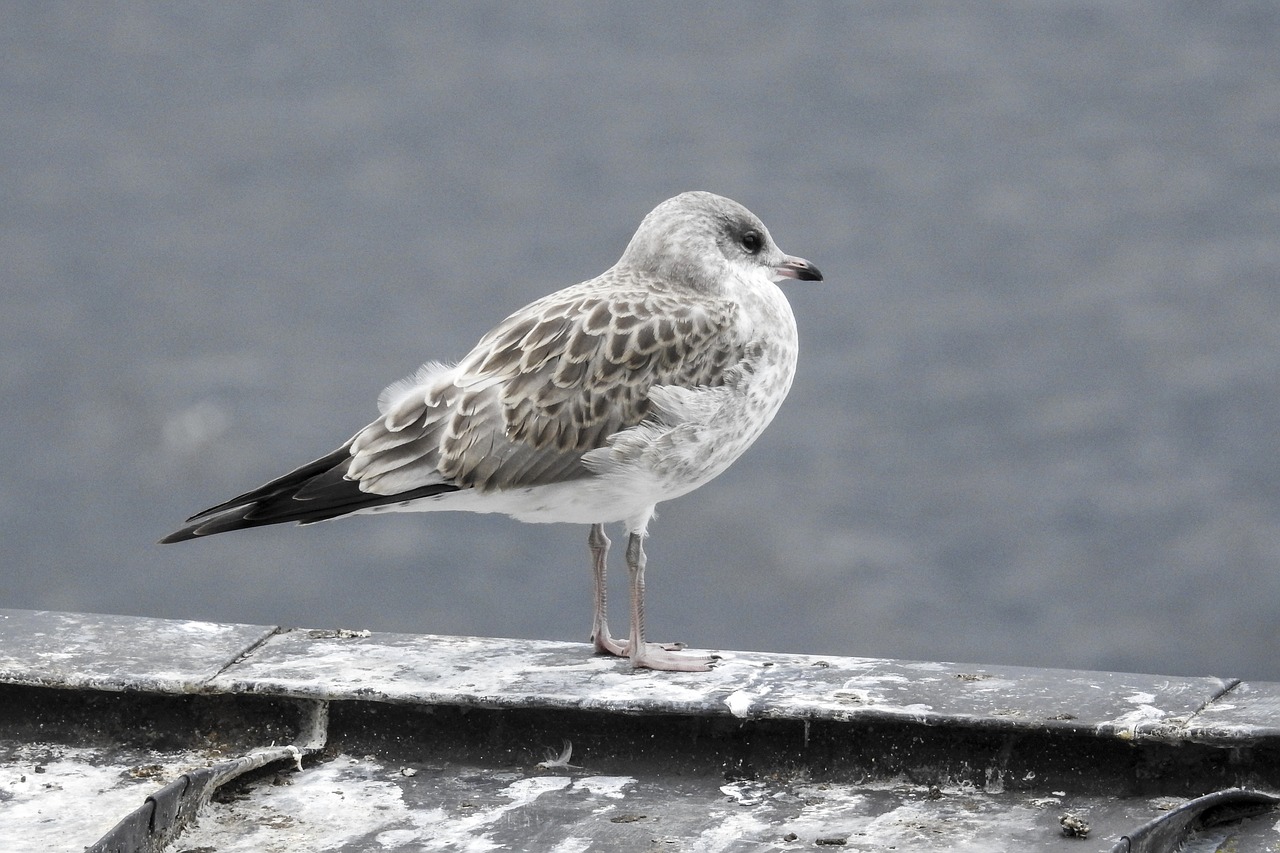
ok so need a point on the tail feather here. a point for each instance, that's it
(313, 492)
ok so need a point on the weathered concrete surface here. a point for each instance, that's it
(439, 743)
(439, 809)
(97, 652)
(121, 652)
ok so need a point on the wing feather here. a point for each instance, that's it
(548, 385)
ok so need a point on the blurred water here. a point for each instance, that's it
(1037, 410)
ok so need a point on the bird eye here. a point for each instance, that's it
(752, 241)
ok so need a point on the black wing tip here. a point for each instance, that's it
(330, 495)
(191, 531)
(206, 526)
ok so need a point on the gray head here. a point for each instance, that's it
(698, 238)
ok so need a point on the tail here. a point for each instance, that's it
(315, 492)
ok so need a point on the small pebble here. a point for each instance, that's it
(1074, 826)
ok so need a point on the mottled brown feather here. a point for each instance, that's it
(547, 385)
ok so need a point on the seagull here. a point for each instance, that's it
(588, 406)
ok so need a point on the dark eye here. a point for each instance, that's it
(752, 241)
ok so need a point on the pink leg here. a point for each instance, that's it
(652, 655)
(598, 542)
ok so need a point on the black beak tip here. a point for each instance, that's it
(800, 270)
(808, 273)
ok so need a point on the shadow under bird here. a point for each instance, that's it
(588, 406)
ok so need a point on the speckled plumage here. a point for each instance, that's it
(589, 405)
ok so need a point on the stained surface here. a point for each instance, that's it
(74, 650)
(453, 743)
(100, 652)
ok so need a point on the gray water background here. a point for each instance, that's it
(1037, 414)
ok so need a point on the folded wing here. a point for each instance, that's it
(548, 385)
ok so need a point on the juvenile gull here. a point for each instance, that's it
(587, 406)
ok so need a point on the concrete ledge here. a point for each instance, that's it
(166, 656)
(438, 742)
(95, 652)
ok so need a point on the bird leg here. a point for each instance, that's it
(652, 655)
(598, 542)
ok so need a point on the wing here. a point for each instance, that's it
(549, 384)
(313, 492)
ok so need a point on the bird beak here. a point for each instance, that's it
(797, 268)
